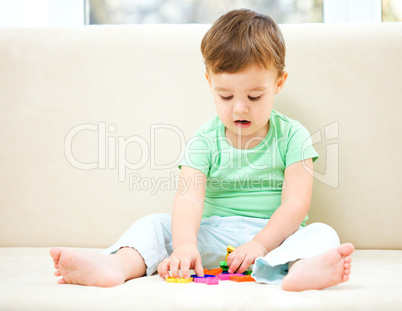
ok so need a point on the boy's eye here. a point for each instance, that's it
(254, 98)
(227, 97)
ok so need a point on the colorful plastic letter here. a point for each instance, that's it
(226, 276)
(212, 281)
(201, 279)
(179, 280)
(243, 278)
(229, 249)
(213, 271)
(183, 280)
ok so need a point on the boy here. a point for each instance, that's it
(247, 183)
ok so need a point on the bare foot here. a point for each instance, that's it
(94, 269)
(322, 271)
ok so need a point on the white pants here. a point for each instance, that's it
(151, 237)
(307, 242)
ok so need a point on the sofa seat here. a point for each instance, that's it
(92, 118)
(27, 277)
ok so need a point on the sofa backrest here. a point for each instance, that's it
(94, 119)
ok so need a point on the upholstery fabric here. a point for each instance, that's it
(28, 284)
(93, 123)
(142, 89)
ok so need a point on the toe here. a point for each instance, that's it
(57, 273)
(346, 249)
(345, 278)
(55, 253)
(346, 272)
(347, 266)
(61, 281)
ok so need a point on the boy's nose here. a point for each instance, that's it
(240, 106)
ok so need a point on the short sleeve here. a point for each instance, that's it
(197, 154)
(299, 145)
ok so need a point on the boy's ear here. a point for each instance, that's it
(280, 81)
(208, 78)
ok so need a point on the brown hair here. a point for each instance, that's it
(241, 38)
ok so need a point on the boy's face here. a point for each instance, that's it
(244, 102)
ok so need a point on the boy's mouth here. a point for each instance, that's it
(242, 123)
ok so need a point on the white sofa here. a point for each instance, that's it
(91, 117)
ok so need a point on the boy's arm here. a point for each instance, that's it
(295, 203)
(186, 218)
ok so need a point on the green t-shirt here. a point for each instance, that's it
(247, 182)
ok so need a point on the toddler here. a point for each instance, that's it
(248, 183)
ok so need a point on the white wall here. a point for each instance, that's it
(42, 13)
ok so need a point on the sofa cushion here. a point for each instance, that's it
(110, 84)
(28, 283)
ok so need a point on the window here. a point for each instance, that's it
(61, 13)
(199, 11)
(42, 13)
(392, 10)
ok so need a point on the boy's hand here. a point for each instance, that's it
(244, 256)
(184, 258)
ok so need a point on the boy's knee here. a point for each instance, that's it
(325, 231)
